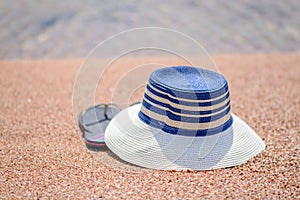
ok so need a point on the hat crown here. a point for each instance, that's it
(188, 79)
(187, 101)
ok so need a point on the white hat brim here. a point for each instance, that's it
(140, 144)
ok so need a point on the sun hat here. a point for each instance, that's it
(184, 122)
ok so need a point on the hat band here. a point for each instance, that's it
(188, 122)
(178, 128)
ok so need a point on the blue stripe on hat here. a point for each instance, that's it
(186, 103)
(195, 95)
(179, 131)
(184, 118)
(181, 110)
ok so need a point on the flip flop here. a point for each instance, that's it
(93, 122)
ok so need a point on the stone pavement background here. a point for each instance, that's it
(71, 28)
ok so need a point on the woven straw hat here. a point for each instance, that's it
(184, 122)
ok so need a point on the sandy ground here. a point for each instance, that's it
(42, 155)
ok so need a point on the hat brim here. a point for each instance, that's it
(140, 144)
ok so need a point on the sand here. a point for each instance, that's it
(42, 155)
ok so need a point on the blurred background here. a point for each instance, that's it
(71, 28)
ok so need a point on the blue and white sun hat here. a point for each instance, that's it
(184, 122)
